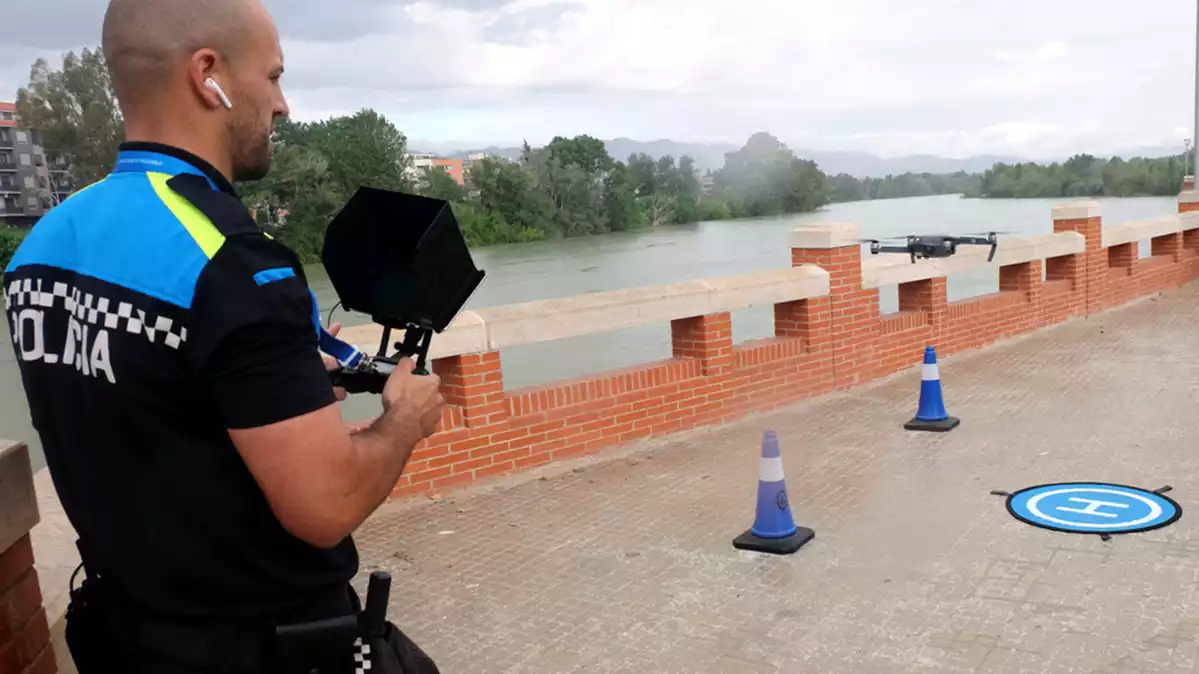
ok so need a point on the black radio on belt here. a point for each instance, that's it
(402, 260)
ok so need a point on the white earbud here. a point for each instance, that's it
(211, 84)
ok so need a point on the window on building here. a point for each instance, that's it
(32, 201)
(46, 205)
(43, 182)
(25, 160)
(6, 116)
(22, 137)
(29, 182)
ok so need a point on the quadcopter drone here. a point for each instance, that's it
(934, 245)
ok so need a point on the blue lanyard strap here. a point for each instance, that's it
(346, 354)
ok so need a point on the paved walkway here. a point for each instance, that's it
(625, 564)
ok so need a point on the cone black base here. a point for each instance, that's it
(774, 546)
(946, 424)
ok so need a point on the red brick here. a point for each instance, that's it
(453, 480)
(534, 460)
(19, 604)
(24, 648)
(15, 561)
(45, 663)
(495, 469)
(471, 464)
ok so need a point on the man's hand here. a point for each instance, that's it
(331, 363)
(414, 395)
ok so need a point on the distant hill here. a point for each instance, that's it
(710, 156)
(866, 165)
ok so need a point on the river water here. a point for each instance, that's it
(545, 270)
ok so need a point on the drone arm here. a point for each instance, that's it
(891, 249)
(975, 240)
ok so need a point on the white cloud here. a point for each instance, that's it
(948, 77)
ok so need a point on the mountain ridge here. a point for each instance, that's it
(710, 156)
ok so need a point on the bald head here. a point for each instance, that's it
(162, 56)
(145, 41)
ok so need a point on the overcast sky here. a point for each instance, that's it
(1032, 78)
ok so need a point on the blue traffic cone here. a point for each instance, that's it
(931, 414)
(774, 529)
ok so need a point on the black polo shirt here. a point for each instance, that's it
(149, 314)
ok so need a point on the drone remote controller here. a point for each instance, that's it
(402, 260)
(369, 376)
(369, 373)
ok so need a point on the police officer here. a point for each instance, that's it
(168, 353)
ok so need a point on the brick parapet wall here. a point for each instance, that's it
(820, 345)
(24, 630)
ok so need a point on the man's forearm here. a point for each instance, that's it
(381, 451)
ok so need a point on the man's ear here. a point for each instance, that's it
(202, 65)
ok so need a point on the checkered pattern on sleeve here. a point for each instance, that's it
(96, 310)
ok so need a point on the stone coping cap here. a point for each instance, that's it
(18, 500)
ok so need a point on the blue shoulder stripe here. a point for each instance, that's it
(271, 275)
(121, 232)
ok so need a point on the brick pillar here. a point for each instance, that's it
(474, 383)
(1188, 201)
(1190, 239)
(1086, 219)
(1167, 245)
(854, 325)
(807, 319)
(24, 631)
(708, 339)
(1124, 256)
(930, 296)
(1024, 277)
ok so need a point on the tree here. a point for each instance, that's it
(585, 152)
(296, 200)
(510, 190)
(689, 191)
(643, 172)
(768, 179)
(363, 149)
(75, 110)
(437, 183)
(621, 207)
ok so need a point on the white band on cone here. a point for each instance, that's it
(771, 470)
(930, 372)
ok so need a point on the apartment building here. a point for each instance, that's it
(454, 167)
(30, 183)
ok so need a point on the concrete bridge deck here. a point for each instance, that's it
(624, 563)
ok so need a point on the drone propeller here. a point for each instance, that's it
(991, 232)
